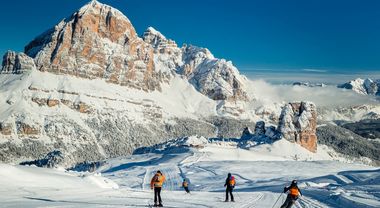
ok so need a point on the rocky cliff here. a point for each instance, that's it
(97, 41)
(298, 123)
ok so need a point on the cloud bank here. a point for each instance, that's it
(329, 96)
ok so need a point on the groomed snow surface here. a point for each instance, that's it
(261, 173)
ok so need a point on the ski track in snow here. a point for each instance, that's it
(259, 183)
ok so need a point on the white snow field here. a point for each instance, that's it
(261, 173)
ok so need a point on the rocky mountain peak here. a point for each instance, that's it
(160, 43)
(153, 37)
(97, 41)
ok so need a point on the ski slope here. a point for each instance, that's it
(260, 176)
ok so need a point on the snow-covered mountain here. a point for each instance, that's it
(363, 86)
(92, 88)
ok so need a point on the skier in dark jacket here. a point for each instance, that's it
(294, 193)
(185, 185)
(230, 185)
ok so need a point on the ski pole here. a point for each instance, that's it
(237, 196)
(277, 200)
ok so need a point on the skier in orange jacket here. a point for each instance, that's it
(294, 193)
(156, 184)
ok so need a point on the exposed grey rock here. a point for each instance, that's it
(216, 78)
(16, 63)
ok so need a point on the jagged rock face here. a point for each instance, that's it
(298, 123)
(167, 55)
(363, 86)
(215, 78)
(16, 63)
(98, 41)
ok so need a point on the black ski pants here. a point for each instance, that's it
(290, 200)
(157, 195)
(229, 190)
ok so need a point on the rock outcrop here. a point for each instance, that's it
(16, 63)
(298, 123)
(25, 129)
(6, 129)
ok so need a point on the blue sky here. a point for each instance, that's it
(291, 35)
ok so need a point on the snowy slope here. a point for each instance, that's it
(260, 174)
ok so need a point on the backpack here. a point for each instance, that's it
(185, 184)
(294, 191)
(232, 181)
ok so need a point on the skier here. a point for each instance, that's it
(185, 185)
(156, 184)
(230, 185)
(294, 193)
